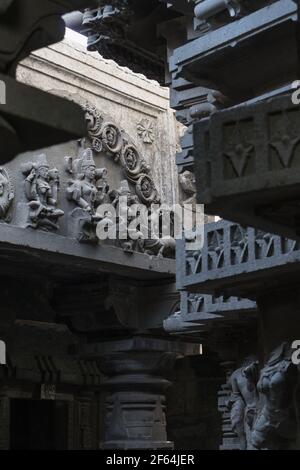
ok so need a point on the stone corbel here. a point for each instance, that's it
(206, 9)
(27, 25)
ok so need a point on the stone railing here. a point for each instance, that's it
(199, 312)
(234, 260)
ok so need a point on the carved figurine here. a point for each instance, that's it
(275, 427)
(87, 189)
(6, 194)
(129, 240)
(159, 245)
(243, 400)
(188, 185)
(41, 189)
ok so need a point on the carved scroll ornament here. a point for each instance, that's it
(106, 136)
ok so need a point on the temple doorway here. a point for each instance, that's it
(38, 424)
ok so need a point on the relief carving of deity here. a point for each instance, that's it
(41, 189)
(262, 403)
(88, 188)
(276, 426)
(243, 400)
(6, 194)
(129, 241)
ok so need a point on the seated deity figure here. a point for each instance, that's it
(87, 189)
(243, 400)
(41, 189)
(276, 426)
(128, 239)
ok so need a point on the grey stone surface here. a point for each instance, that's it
(199, 313)
(231, 58)
(234, 261)
(121, 97)
(26, 26)
(252, 153)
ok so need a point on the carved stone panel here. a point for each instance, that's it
(87, 189)
(234, 260)
(107, 137)
(41, 188)
(252, 154)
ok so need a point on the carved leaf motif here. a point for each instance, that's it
(285, 148)
(239, 157)
(196, 303)
(106, 136)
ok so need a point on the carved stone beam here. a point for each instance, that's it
(25, 120)
(26, 25)
(31, 119)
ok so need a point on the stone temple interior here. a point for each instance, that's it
(114, 336)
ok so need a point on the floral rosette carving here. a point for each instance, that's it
(146, 132)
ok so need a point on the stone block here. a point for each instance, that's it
(247, 165)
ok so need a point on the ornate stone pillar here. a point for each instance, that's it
(135, 383)
(230, 440)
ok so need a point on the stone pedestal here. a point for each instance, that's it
(135, 385)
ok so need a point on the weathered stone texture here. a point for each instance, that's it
(192, 412)
(67, 70)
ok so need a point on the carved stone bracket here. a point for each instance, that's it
(111, 29)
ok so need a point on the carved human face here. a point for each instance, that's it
(130, 159)
(43, 172)
(90, 172)
(111, 136)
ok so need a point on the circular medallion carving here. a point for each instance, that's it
(145, 189)
(132, 162)
(97, 145)
(111, 138)
(93, 121)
